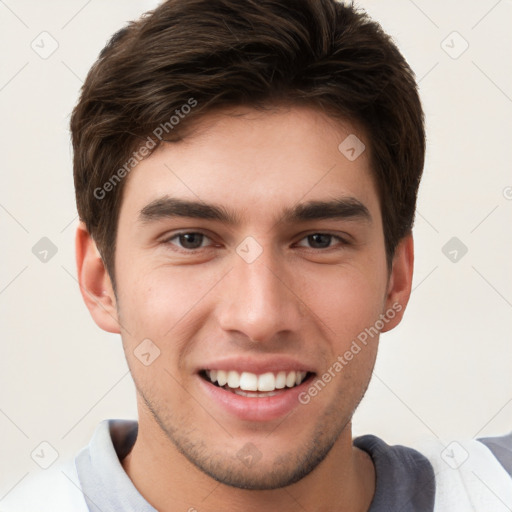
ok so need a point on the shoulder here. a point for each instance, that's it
(431, 475)
(471, 474)
(404, 477)
(501, 447)
(51, 490)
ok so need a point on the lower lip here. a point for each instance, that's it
(256, 408)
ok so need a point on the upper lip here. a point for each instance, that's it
(257, 365)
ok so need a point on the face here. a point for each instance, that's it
(234, 310)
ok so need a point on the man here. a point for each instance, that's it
(246, 177)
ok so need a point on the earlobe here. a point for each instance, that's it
(95, 283)
(400, 282)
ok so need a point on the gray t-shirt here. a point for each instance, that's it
(405, 479)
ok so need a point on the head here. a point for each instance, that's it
(295, 129)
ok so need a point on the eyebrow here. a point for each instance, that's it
(170, 207)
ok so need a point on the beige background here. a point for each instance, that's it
(445, 371)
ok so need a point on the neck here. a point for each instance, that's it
(344, 481)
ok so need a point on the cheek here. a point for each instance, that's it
(348, 300)
(156, 302)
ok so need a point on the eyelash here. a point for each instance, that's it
(341, 240)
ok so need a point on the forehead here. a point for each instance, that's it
(257, 163)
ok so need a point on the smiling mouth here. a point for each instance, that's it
(255, 386)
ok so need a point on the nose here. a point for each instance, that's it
(258, 300)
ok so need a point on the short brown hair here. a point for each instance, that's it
(212, 54)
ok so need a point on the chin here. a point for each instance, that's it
(260, 464)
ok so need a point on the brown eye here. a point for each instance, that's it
(322, 240)
(188, 240)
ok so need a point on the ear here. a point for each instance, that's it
(95, 284)
(400, 282)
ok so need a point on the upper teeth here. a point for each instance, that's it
(251, 382)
